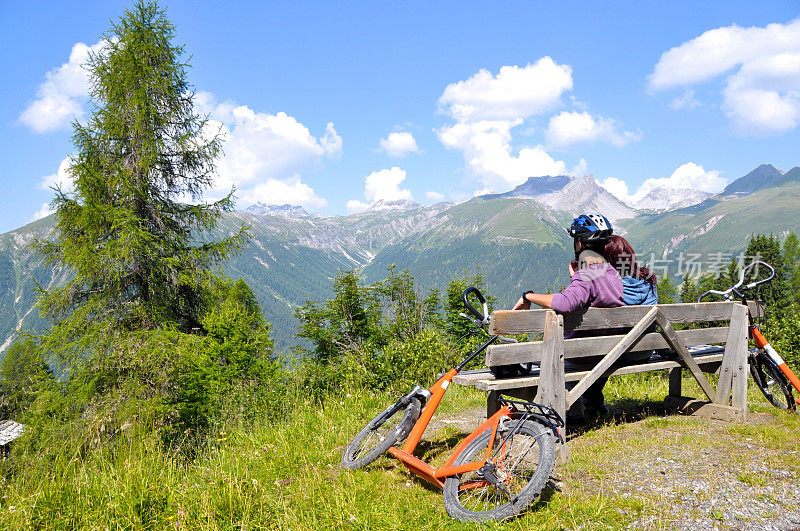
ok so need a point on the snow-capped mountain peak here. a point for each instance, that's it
(287, 211)
(671, 198)
(398, 204)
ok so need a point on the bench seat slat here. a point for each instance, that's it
(485, 380)
(508, 322)
(597, 346)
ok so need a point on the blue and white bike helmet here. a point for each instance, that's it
(591, 228)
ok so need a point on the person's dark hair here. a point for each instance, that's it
(619, 253)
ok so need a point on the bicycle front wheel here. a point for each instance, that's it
(388, 428)
(771, 382)
(523, 464)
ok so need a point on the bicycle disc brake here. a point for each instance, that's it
(489, 473)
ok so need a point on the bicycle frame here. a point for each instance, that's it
(434, 397)
(423, 469)
(762, 343)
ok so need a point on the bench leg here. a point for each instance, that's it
(675, 376)
(492, 406)
(552, 389)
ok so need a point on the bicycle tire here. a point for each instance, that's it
(771, 382)
(470, 498)
(372, 442)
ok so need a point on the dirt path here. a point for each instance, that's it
(682, 472)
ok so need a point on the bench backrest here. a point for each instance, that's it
(508, 322)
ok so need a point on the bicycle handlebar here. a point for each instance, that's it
(482, 317)
(735, 288)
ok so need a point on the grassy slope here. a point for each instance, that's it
(287, 477)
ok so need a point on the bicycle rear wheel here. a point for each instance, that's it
(389, 427)
(523, 465)
(771, 381)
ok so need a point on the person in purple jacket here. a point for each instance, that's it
(595, 283)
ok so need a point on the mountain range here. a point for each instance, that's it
(515, 239)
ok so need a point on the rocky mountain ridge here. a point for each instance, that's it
(516, 239)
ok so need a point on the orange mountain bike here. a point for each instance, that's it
(770, 372)
(496, 471)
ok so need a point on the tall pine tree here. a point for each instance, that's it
(768, 249)
(791, 256)
(128, 230)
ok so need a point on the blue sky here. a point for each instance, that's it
(335, 105)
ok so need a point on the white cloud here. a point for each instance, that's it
(568, 128)
(60, 179)
(618, 189)
(763, 96)
(63, 93)
(516, 92)
(264, 153)
(399, 144)
(487, 149)
(486, 109)
(291, 191)
(382, 185)
(44, 211)
(385, 185)
(354, 206)
(684, 101)
(434, 196)
(688, 175)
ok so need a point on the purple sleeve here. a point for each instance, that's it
(574, 297)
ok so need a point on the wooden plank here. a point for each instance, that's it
(678, 346)
(490, 383)
(533, 321)
(622, 347)
(757, 309)
(700, 408)
(551, 372)
(468, 379)
(508, 322)
(598, 346)
(736, 334)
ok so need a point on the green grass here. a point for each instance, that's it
(288, 476)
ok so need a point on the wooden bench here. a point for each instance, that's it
(726, 327)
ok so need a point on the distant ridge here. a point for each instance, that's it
(765, 176)
(538, 185)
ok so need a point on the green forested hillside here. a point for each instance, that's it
(21, 273)
(516, 244)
